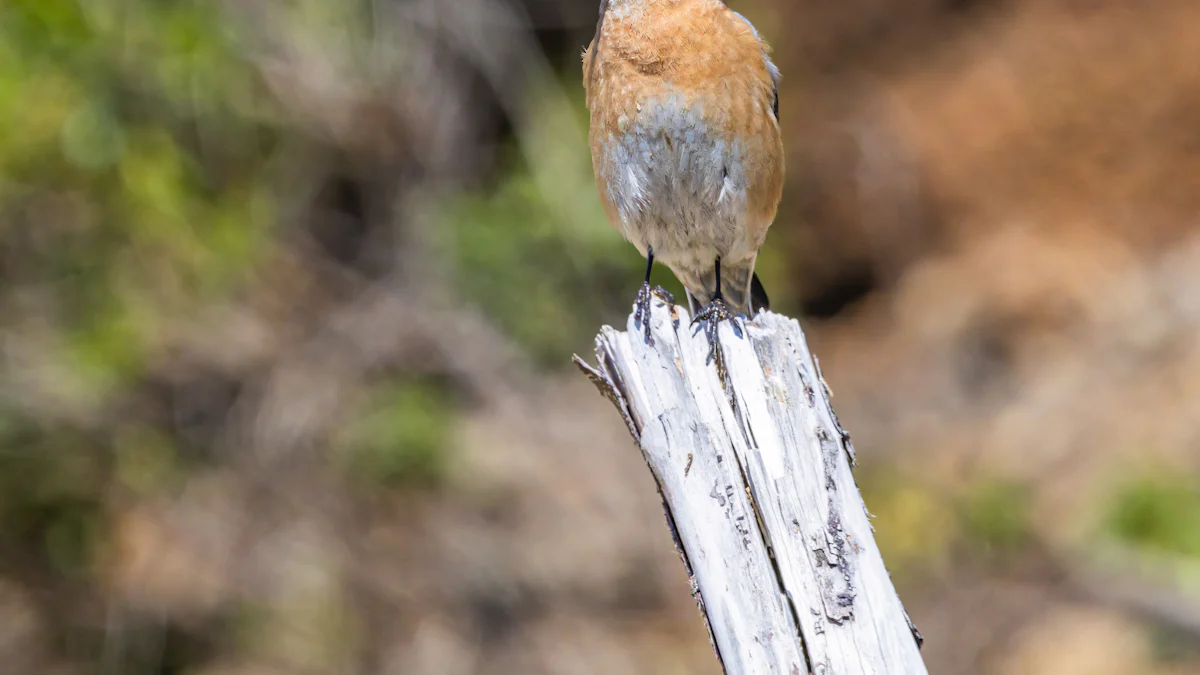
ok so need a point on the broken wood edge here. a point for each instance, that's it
(611, 389)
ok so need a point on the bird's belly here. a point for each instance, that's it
(678, 187)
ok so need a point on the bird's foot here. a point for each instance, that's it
(641, 315)
(711, 317)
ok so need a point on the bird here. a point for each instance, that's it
(683, 104)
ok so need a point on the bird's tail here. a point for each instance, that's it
(740, 287)
(758, 295)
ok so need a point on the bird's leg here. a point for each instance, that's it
(713, 314)
(641, 315)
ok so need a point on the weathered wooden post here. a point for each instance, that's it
(755, 474)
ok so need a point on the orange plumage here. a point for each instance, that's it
(685, 142)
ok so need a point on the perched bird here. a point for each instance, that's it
(686, 148)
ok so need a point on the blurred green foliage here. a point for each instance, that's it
(133, 148)
(921, 526)
(400, 435)
(1160, 513)
(995, 516)
(914, 523)
(312, 629)
(51, 494)
(146, 461)
(134, 154)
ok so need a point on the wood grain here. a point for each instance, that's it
(755, 473)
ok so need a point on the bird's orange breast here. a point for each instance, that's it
(661, 73)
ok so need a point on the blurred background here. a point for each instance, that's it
(288, 291)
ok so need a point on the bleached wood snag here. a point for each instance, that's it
(755, 475)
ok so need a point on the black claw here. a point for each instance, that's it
(711, 317)
(664, 295)
(641, 315)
